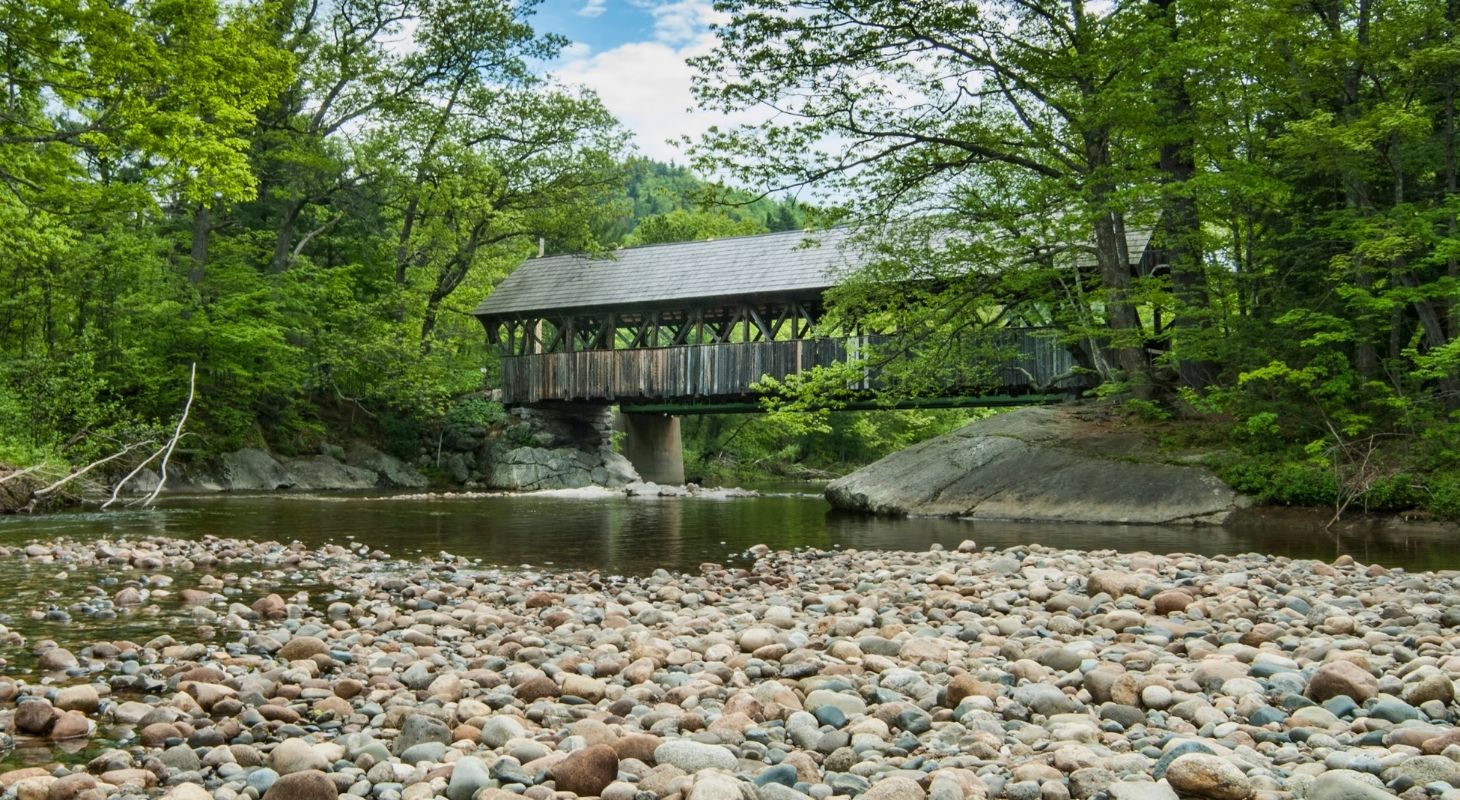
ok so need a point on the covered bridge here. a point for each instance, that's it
(690, 325)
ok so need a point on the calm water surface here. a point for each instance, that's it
(624, 535)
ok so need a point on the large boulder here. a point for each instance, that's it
(193, 478)
(252, 470)
(325, 473)
(1042, 464)
(538, 468)
(391, 470)
(615, 472)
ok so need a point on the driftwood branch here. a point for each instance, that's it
(78, 473)
(177, 433)
(21, 473)
(117, 490)
(165, 451)
(1355, 470)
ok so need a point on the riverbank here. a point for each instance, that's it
(1028, 674)
(1090, 463)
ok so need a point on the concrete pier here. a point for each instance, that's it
(652, 444)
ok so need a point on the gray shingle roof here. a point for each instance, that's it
(765, 264)
(772, 263)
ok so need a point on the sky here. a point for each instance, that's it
(632, 53)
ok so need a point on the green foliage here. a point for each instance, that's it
(400, 435)
(475, 412)
(666, 203)
(1294, 164)
(1144, 410)
(1444, 495)
(681, 225)
(282, 194)
(745, 447)
(1280, 481)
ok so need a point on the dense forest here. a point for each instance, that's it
(285, 196)
(304, 199)
(1294, 162)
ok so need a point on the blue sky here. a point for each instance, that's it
(633, 52)
(598, 24)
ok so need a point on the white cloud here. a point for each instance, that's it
(646, 84)
(683, 22)
(576, 51)
(593, 8)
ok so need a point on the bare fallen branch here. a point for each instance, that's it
(78, 473)
(117, 490)
(162, 472)
(165, 451)
(21, 473)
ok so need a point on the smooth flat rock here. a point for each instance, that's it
(1037, 464)
(325, 473)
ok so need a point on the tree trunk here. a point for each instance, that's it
(1179, 232)
(1452, 311)
(284, 240)
(403, 241)
(202, 226)
(1120, 313)
(428, 321)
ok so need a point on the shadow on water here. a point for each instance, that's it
(617, 534)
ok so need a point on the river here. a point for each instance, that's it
(70, 603)
(617, 534)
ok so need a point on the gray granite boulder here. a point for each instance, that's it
(391, 470)
(325, 473)
(1041, 464)
(252, 470)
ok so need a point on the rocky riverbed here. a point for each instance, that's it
(1027, 674)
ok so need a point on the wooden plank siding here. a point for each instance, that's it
(717, 372)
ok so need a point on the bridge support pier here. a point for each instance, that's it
(652, 444)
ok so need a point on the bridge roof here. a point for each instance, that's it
(789, 263)
(783, 264)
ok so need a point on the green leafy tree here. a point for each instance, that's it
(1294, 162)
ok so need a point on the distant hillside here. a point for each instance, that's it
(667, 203)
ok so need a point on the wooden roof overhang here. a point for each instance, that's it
(682, 293)
(629, 299)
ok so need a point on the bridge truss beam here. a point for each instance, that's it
(770, 320)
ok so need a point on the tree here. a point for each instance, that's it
(1009, 121)
(681, 225)
(288, 193)
(112, 112)
(1294, 161)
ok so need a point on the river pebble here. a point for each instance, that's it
(1026, 674)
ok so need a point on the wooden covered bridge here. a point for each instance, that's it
(692, 327)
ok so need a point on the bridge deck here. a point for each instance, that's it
(687, 375)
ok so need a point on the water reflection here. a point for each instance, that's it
(637, 535)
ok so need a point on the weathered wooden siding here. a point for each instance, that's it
(727, 371)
